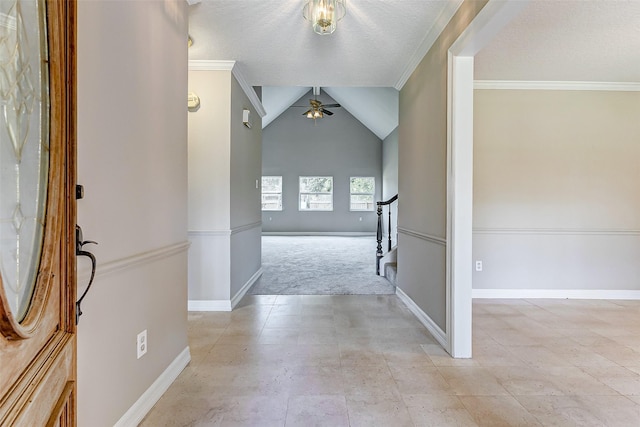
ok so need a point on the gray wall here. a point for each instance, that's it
(244, 209)
(338, 146)
(390, 180)
(557, 189)
(132, 160)
(422, 174)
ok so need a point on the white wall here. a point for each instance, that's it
(556, 193)
(224, 202)
(132, 160)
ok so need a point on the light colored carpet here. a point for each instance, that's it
(320, 265)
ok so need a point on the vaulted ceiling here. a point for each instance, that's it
(379, 43)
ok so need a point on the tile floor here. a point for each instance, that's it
(366, 361)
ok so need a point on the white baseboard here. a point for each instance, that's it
(319, 233)
(557, 293)
(241, 293)
(143, 405)
(424, 318)
(221, 304)
(209, 305)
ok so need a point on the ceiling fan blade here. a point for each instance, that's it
(306, 112)
(331, 105)
(327, 112)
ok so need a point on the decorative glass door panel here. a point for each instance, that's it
(24, 148)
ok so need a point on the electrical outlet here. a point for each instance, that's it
(141, 343)
(478, 265)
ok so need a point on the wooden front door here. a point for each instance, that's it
(37, 213)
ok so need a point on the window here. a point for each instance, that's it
(316, 193)
(362, 190)
(271, 193)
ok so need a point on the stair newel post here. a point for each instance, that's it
(389, 246)
(379, 238)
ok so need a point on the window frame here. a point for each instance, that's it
(263, 193)
(372, 194)
(301, 193)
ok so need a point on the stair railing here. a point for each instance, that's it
(379, 253)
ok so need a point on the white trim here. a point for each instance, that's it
(617, 294)
(424, 236)
(459, 204)
(247, 227)
(209, 233)
(221, 304)
(209, 305)
(555, 85)
(558, 231)
(213, 65)
(241, 293)
(424, 318)
(135, 260)
(430, 38)
(207, 65)
(480, 31)
(225, 233)
(143, 405)
(319, 233)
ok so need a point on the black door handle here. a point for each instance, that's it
(81, 252)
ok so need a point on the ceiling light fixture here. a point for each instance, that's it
(324, 14)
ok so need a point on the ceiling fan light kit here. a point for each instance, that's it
(324, 14)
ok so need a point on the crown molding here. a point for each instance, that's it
(555, 85)
(211, 65)
(445, 16)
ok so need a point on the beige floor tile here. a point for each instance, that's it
(369, 380)
(420, 380)
(560, 411)
(377, 411)
(472, 381)
(438, 410)
(613, 411)
(317, 411)
(574, 381)
(316, 380)
(408, 356)
(362, 357)
(498, 411)
(526, 380)
(367, 360)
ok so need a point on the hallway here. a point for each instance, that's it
(367, 361)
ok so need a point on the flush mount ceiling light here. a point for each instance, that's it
(324, 14)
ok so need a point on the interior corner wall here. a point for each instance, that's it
(245, 207)
(339, 146)
(132, 161)
(556, 189)
(210, 186)
(422, 174)
(224, 199)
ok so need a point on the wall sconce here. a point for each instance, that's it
(193, 102)
(246, 118)
(324, 14)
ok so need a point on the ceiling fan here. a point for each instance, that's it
(317, 109)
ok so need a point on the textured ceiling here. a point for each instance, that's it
(379, 43)
(586, 41)
(275, 46)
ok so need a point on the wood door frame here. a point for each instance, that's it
(49, 373)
